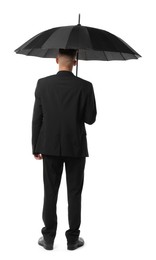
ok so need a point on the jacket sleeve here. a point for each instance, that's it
(90, 110)
(37, 118)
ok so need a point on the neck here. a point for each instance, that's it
(65, 68)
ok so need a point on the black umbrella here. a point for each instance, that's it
(91, 43)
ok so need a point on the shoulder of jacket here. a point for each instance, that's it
(87, 85)
(84, 81)
(46, 78)
(43, 81)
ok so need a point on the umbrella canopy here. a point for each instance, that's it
(92, 43)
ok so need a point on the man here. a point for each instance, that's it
(63, 103)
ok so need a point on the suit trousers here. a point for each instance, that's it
(52, 172)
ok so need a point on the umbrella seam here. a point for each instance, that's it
(105, 56)
(122, 56)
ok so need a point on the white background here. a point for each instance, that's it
(118, 213)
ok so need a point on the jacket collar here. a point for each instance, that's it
(65, 73)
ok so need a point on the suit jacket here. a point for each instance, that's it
(63, 103)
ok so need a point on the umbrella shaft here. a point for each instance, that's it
(77, 58)
(79, 20)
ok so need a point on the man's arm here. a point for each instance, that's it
(90, 110)
(36, 121)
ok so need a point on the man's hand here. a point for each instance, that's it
(38, 156)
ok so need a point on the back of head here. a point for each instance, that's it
(68, 52)
(66, 59)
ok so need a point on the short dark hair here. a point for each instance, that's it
(68, 52)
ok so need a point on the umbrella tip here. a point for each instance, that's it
(79, 19)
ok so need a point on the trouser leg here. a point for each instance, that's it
(52, 172)
(75, 177)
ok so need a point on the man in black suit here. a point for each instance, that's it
(63, 103)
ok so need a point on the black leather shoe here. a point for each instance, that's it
(47, 246)
(77, 244)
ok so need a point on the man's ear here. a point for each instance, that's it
(75, 62)
(57, 60)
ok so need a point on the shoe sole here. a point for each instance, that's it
(72, 247)
(46, 247)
